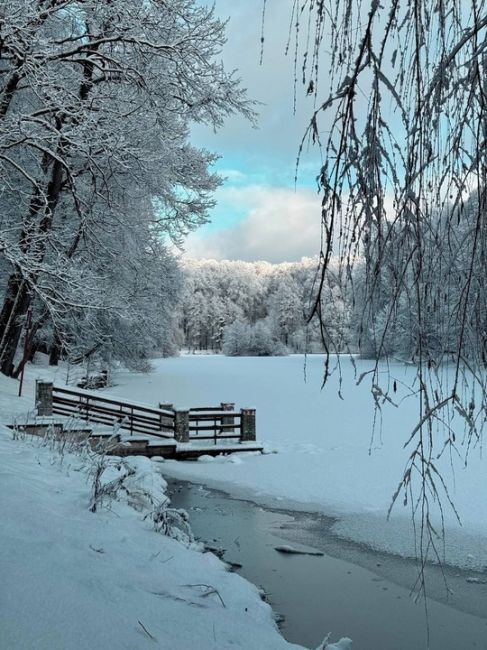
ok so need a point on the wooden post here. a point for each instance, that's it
(229, 419)
(181, 425)
(247, 432)
(44, 397)
(166, 421)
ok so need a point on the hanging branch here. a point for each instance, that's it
(403, 134)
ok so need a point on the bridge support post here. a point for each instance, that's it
(44, 397)
(181, 425)
(166, 421)
(228, 419)
(248, 433)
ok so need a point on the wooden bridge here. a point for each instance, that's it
(165, 431)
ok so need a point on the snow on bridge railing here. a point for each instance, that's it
(135, 418)
(185, 425)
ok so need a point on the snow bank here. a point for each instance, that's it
(73, 579)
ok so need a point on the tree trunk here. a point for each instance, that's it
(33, 240)
(13, 285)
(56, 349)
(33, 343)
(14, 309)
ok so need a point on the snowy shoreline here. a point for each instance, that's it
(396, 536)
(348, 586)
(76, 580)
(73, 579)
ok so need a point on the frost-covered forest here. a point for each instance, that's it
(265, 309)
(97, 173)
(257, 308)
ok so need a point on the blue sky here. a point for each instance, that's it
(260, 213)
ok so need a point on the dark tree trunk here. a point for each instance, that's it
(33, 344)
(33, 348)
(33, 240)
(55, 352)
(13, 286)
(14, 310)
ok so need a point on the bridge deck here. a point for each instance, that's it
(126, 445)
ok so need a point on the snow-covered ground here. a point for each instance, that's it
(58, 591)
(72, 579)
(326, 460)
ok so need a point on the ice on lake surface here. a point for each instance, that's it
(327, 459)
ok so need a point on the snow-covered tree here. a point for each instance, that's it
(236, 338)
(403, 180)
(96, 100)
(217, 294)
(287, 309)
(258, 340)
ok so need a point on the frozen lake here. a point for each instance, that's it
(326, 460)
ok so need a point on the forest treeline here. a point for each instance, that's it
(258, 308)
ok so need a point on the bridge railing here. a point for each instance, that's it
(103, 410)
(184, 425)
(214, 424)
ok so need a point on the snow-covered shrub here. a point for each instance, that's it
(132, 480)
(109, 480)
(135, 482)
(241, 339)
(173, 522)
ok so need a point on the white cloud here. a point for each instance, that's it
(280, 225)
(234, 175)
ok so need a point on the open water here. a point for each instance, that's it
(349, 591)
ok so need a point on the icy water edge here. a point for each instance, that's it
(349, 591)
